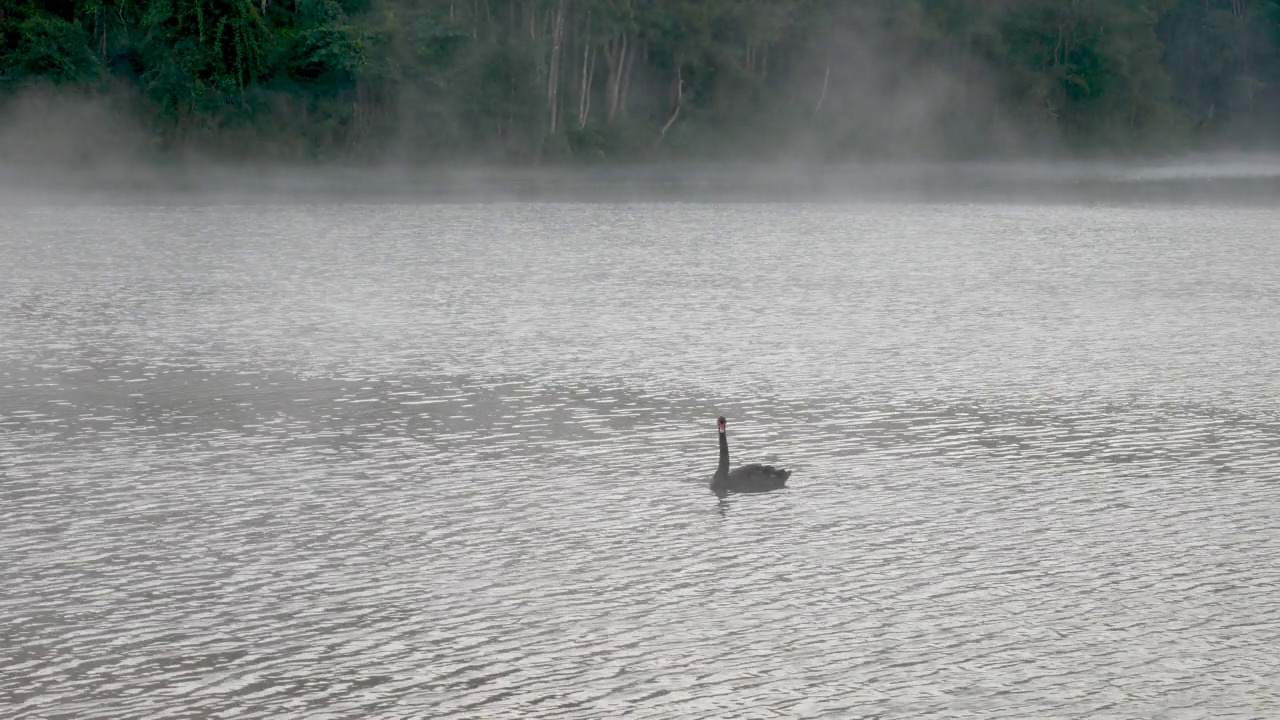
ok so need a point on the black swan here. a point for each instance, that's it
(748, 478)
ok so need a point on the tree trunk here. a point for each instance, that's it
(553, 79)
(615, 55)
(679, 103)
(823, 96)
(588, 69)
(628, 63)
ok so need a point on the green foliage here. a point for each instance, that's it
(43, 46)
(432, 79)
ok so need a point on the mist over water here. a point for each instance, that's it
(1209, 180)
(451, 460)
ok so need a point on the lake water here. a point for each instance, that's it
(400, 460)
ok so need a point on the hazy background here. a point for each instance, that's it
(110, 83)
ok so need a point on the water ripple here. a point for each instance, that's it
(451, 461)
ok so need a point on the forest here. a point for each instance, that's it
(522, 81)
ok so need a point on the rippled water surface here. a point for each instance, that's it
(452, 461)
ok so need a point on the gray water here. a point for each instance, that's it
(452, 461)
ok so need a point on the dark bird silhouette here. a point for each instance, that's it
(745, 479)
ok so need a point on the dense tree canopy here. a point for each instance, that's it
(581, 79)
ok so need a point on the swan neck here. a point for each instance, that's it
(723, 470)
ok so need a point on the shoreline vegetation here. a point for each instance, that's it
(632, 82)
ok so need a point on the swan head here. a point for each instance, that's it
(720, 424)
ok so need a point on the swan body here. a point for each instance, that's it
(747, 478)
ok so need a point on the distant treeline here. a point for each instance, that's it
(520, 80)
